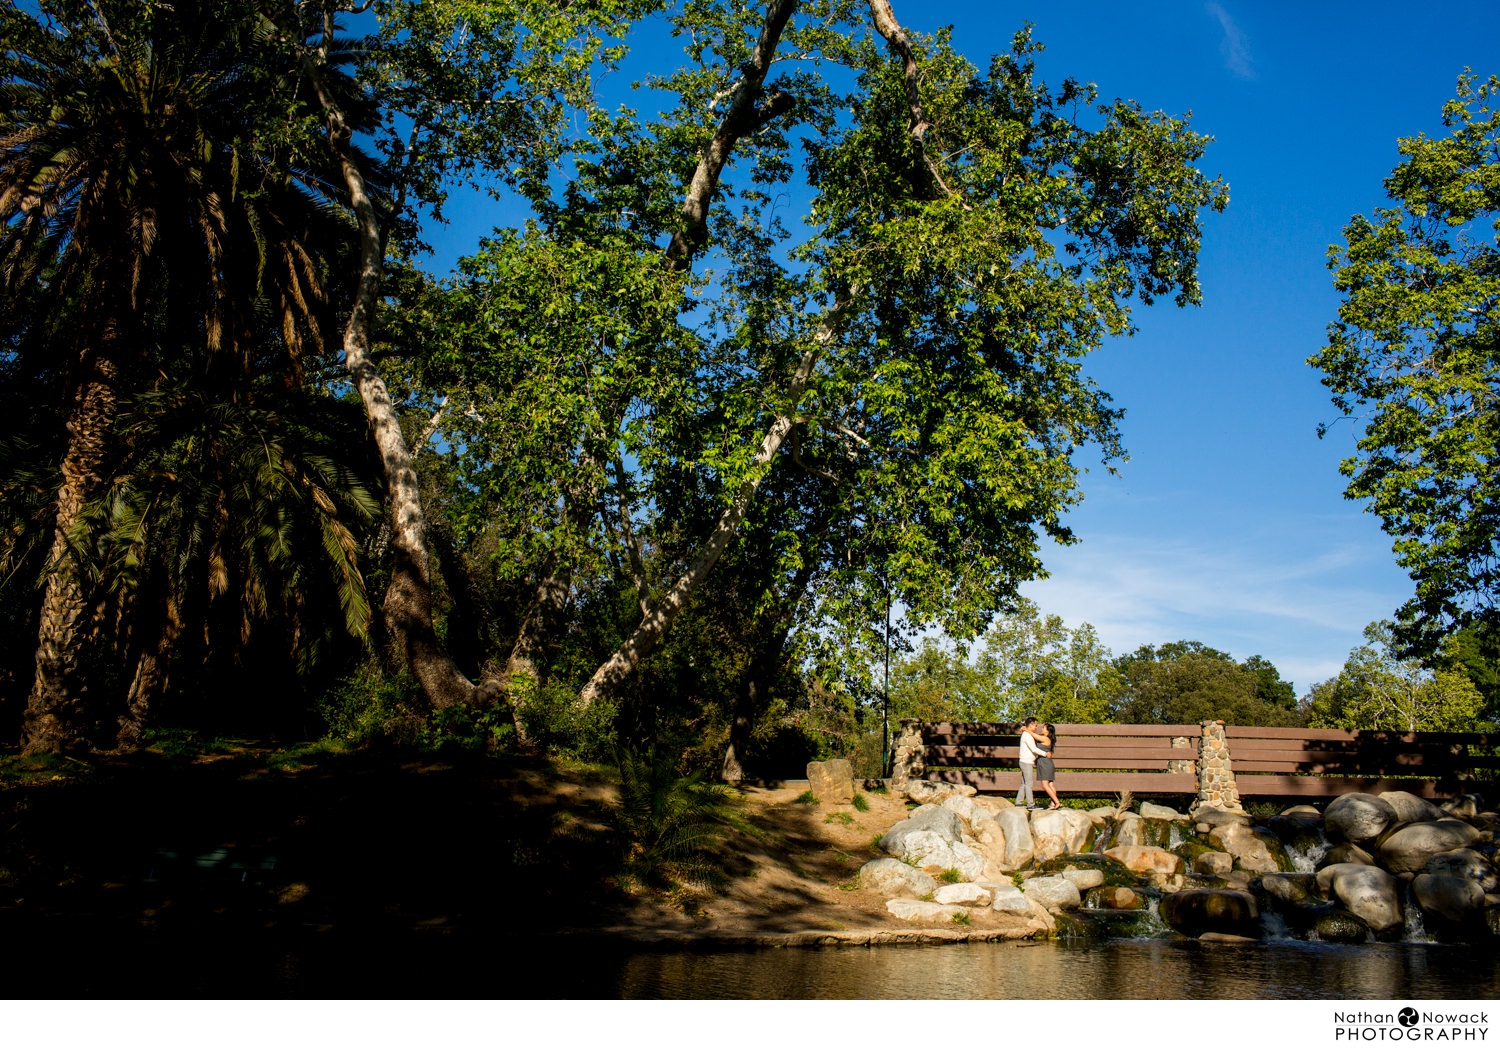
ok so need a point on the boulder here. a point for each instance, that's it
(1357, 817)
(1304, 812)
(1196, 912)
(1291, 888)
(893, 878)
(1146, 860)
(1020, 851)
(1213, 863)
(1407, 851)
(924, 911)
(1345, 853)
(963, 806)
(832, 781)
(1119, 898)
(1337, 926)
(1365, 890)
(1254, 849)
(929, 791)
(1464, 864)
(1464, 807)
(1131, 830)
(929, 850)
(1215, 817)
(1059, 831)
(993, 803)
(943, 822)
(969, 894)
(1301, 831)
(1052, 892)
(1007, 897)
(1456, 899)
(1084, 879)
(990, 839)
(1102, 813)
(1152, 811)
(1410, 809)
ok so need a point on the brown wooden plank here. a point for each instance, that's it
(1349, 769)
(965, 762)
(1245, 759)
(1061, 751)
(1327, 786)
(1079, 783)
(1063, 729)
(1363, 735)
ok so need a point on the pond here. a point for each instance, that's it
(1099, 969)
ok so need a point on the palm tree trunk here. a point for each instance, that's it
(408, 599)
(152, 672)
(56, 712)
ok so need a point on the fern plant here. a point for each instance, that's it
(669, 824)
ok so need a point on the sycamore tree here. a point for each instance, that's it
(882, 399)
(1379, 689)
(1414, 357)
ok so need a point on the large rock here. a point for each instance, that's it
(928, 849)
(993, 803)
(1059, 831)
(1337, 926)
(1407, 851)
(1458, 900)
(1365, 890)
(1196, 912)
(1084, 878)
(1410, 809)
(924, 911)
(1133, 830)
(1464, 864)
(943, 822)
(1291, 888)
(1358, 817)
(931, 792)
(1146, 860)
(1119, 898)
(989, 840)
(1464, 807)
(1007, 897)
(1213, 864)
(894, 878)
(1215, 817)
(1020, 850)
(1152, 811)
(1052, 892)
(963, 806)
(1254, 849)
(1345, 853)
(832, 781)
(969, 894)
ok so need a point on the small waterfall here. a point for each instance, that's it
(1416, 931)
(1307, 862)
(1150, 925)
(1275, 927)
(1179, 833)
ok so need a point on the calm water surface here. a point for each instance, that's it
(1109, 969)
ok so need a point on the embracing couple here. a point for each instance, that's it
(1036, 762)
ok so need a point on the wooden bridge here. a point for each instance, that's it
(1166, 759)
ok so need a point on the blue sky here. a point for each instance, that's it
(1228, 524)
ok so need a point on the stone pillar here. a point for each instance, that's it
(910, 759)
(1216, 785)
(1184, 764)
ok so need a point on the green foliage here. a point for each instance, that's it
(961, 918)
(807, 798)
(370, 704)
(669, 824)
(861, 803)
(1415, 357)
(1378, 689)
(1185, 682)
(839, 818)
(950, 875)
(555, 722)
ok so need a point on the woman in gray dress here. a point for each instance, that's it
(1046, 736)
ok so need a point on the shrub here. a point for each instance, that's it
(807, 798)
(951, 875)
(669, 824)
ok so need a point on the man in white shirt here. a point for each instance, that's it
(1030, 750)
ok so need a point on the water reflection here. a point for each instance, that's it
(1113, 969)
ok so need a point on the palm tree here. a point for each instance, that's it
(149, 154)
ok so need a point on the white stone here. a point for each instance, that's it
(1020, 849)
(965, 893)
(927, 849)
(894, 878)
(1103, 812)
(928, 791)
(1052, 892)
(1085, 878)
(1152, 811)
(1246, 845)
(1357, 817)
(961, 805)
(1411, 809)
(1408, 850)
(1006, 897)
(924, 911)
(935, 819)
(1366, 890)
(1146, 860)
(1068, 827)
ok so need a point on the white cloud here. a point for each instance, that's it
(1234, 46)
(1302, 612)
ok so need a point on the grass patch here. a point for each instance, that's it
(961, 918)
(861, 803)
(1015, 877)
(875, 840)
(880, 789)
(839, 818)
(925, 897)
(950, 875)
(301, 756)
(807, 798)
(850, 886)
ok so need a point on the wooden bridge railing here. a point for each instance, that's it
(1090, 759)
(1166, 760)
(1299, 762)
